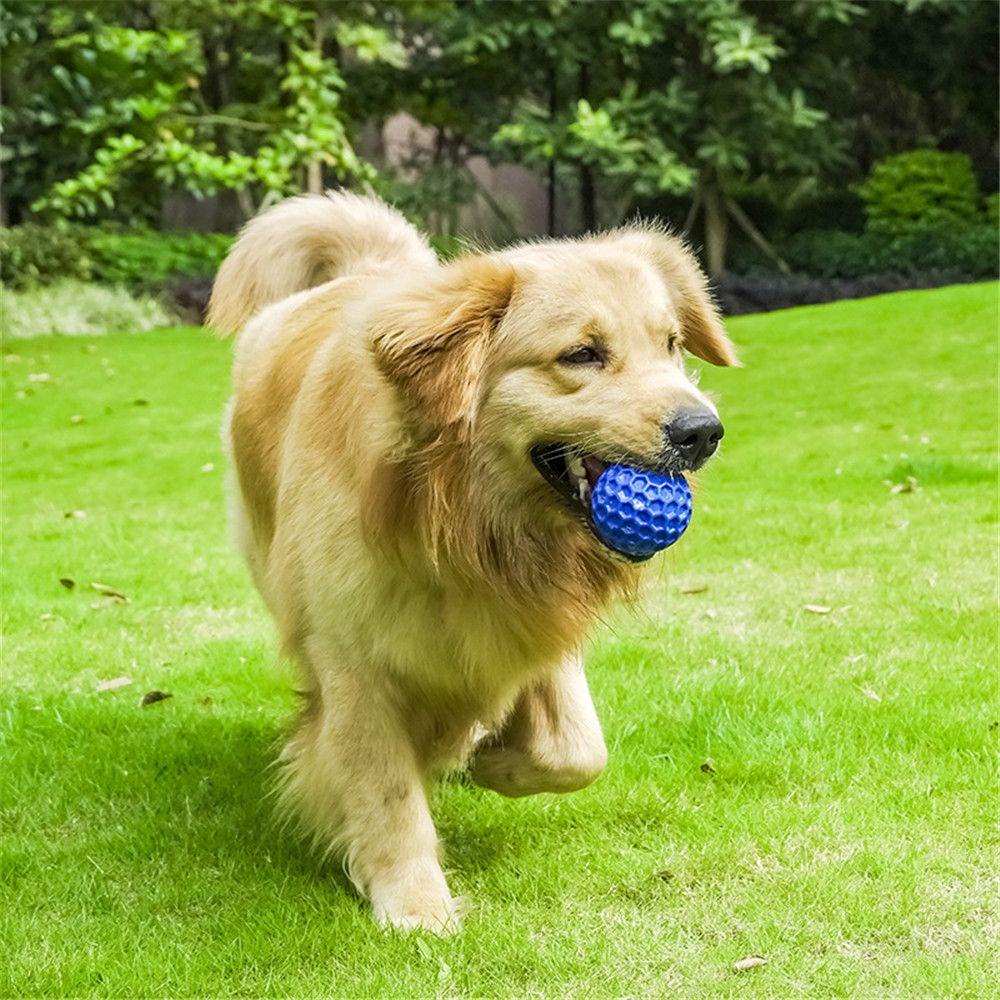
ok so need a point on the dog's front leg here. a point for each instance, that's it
(352, 772)
(551, 742)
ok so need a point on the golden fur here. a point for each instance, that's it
(426, 577)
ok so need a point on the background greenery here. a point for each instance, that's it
(745, 124)
(814, 786)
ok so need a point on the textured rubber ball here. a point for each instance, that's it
(639, 513)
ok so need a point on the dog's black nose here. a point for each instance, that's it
(694, 434)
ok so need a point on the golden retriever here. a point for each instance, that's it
(413, 445)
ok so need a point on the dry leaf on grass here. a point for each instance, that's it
(66, 582)
(39, 377)
(908, 485)
(105, 591)
(114, 683)
(695, 588)
(77, 418)
(152, 697)
(750, 962)
(75, 513)
(708, 766)
(818, 609)
(870, 692)
(208, 467)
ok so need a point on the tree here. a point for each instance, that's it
(519, 71)
(200, 96)
(726, 103)
(700, 96)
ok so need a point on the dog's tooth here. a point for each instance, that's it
(583, 488)
(575, 465)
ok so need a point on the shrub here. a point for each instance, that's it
(38, 255)
(965, 252)
(148, 258)
(78, 307)
(993, 209)
(922, 186)
(970, 251)
(32, 255)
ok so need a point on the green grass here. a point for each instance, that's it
(847, 832)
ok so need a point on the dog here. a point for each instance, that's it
(413, 445)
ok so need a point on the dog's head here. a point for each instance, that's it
(535, 368)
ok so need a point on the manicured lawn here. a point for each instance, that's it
(845, 829)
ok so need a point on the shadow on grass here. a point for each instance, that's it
(186, 788)
(181, 784)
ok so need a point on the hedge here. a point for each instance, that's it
(968, 252)
(39, 255)
(144, 259)
(921, 186)
(151, 258)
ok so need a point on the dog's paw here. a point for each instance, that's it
(417, 899)
(515, 773)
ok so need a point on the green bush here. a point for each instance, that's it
(993, 209)
(960, 251)
(38, 255)
(148, 258)
(831, 253)
(922, 186)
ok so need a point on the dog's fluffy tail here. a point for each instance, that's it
(304, 242)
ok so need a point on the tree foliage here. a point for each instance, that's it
(710, 104)
(199, 96)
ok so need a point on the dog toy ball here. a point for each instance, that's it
(639, 513)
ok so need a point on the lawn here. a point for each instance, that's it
(802, 720)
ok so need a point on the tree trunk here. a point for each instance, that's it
(588, 199)
(314, 174)
(746, 224)
(588, 195)
(716, 225)
(245, 200)
(550, 189)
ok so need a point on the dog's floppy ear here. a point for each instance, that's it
(431, 342)
(701, 325)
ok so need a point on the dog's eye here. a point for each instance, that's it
(585, 354)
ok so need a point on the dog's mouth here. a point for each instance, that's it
(572, 473)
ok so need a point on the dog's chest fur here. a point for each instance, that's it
(310, 422)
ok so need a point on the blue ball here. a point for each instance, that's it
(639, 513)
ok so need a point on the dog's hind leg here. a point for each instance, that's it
(551, 741)
(352, 775)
